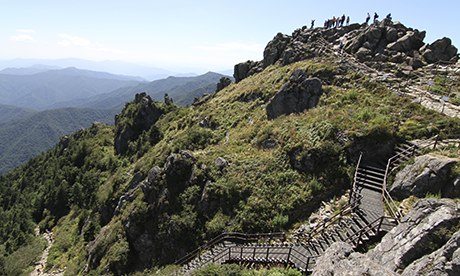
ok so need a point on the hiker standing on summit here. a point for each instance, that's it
(368, 18)
(376, 16)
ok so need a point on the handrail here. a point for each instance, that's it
(362, 229)
(355, 177)
(392, 164)
(242, 237)
(348, 208)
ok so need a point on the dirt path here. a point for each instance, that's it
(40, 266)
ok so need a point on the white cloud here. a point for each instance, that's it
(68, 40)
(72, 40)
(22, 38)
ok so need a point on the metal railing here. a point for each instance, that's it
(393, 163)
(352, 192)
(232, 237)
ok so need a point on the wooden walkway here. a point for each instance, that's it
(360, 221)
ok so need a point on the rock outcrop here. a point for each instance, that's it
(424, 229)
(223, 82)
(246, 69)
(440, 50)
(425, 243)
(385, 41)
(443, 262)
(428, 174)
(136, 117)
(298, 94)
(340, 259)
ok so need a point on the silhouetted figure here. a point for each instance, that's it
(376, 16)
(334, 21)
(389, 17)
(312, 24)
(368, 18)
(326, 24)
(348, 20)
(342, 21)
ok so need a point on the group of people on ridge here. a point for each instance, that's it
(336, 22)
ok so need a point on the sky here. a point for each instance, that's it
(193, 35)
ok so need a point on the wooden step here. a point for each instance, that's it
(379, 178)
(369, 181)
(373, 168)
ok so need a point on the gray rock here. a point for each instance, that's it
(440, 50)
(223, 82)
(422, 231)
(275, 48)
(363, 53)
(246, 69)
(428, 174)
(178, 171)
(269, 143)
(413, 40)
(142, 119)
(298, 94)
(443, 262)
(391, 34)
(221, 163)
(339, 259)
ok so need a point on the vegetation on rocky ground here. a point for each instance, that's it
(74, 189)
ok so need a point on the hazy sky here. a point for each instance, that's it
(180, 35)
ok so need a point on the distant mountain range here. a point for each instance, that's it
(30, 133)
(182, 90)
(9, 113)
(113, 67)
(39, 104)
(44, 89)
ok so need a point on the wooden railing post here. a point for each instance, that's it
(268, 252)
(254, 253)
(289, 255)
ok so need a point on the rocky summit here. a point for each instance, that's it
(337, 154)
(385, 45)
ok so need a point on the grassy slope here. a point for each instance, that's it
(259, 190)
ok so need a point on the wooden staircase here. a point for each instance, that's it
(370, 212)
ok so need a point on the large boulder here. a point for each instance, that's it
(246, 69)
(136, 117)
(428, 174)
(223, 82)
(275, 48)
(413, 40)
(440, 50)
(298, 94)
(340, 259)
(443, 262)
(426, 228)
(178, 171)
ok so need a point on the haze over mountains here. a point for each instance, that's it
(40, 103)
(182, 90)
(110, 66)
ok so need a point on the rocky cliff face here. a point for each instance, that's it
(298, 94)
(428, 174)
(425, 243)
(137, 117)
(384, 42)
